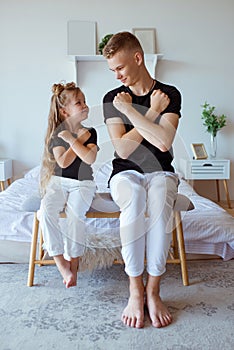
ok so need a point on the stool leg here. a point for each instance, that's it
(41, 252)
(33, 251)
(180, 237)
(175, 244)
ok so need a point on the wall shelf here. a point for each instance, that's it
(88, 58)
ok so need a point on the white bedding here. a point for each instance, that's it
(208, 229)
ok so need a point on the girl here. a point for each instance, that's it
(67, 178)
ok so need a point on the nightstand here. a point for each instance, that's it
(208, 169)
(5, 172)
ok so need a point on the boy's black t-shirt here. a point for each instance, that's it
(146, 158)
(78, 170)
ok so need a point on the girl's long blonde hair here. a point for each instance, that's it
(60, 98)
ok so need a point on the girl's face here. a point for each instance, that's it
(77, 107)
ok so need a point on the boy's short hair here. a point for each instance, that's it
(122, 41)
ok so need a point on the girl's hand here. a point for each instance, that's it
(66, 136)
(122, 101)
(159, 101)
(83, 135)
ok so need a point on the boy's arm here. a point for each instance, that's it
(160, 135)
(124, 142)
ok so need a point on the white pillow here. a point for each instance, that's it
(33, 173)
(32, 203)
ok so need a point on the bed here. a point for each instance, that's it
(208, 229)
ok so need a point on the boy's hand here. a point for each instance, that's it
(159, 101)
(122, 101)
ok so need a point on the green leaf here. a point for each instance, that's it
(212, 122)
(103, 42)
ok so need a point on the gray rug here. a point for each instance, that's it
(47, 316)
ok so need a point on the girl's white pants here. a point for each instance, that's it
(76, 197)
(138, 194)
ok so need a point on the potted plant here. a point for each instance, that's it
(103, 42)
(213, 124)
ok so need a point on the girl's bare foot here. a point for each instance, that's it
(74, 268)
(133, 314)
(64, 268)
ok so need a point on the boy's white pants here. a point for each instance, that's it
(138, 194)
(76, 197)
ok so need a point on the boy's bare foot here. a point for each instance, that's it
(158, 312)
(133, 314)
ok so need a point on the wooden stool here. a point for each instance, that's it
(176, 254)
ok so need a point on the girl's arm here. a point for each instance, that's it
(86, 153)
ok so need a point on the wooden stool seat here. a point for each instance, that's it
(103, 206)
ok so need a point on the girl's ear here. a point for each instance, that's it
(63, 113)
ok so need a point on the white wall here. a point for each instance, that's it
(195, 37)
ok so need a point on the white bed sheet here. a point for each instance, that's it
(208, 229)
(15, 224)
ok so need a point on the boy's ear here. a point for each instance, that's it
(138, 58)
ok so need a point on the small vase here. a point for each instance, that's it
(213, 145)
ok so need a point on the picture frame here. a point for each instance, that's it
(199, 151)
(147, 38)
(81, 38)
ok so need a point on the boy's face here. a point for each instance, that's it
(125, 65)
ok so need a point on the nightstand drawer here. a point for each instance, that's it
(206, 169)
(5, 169)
